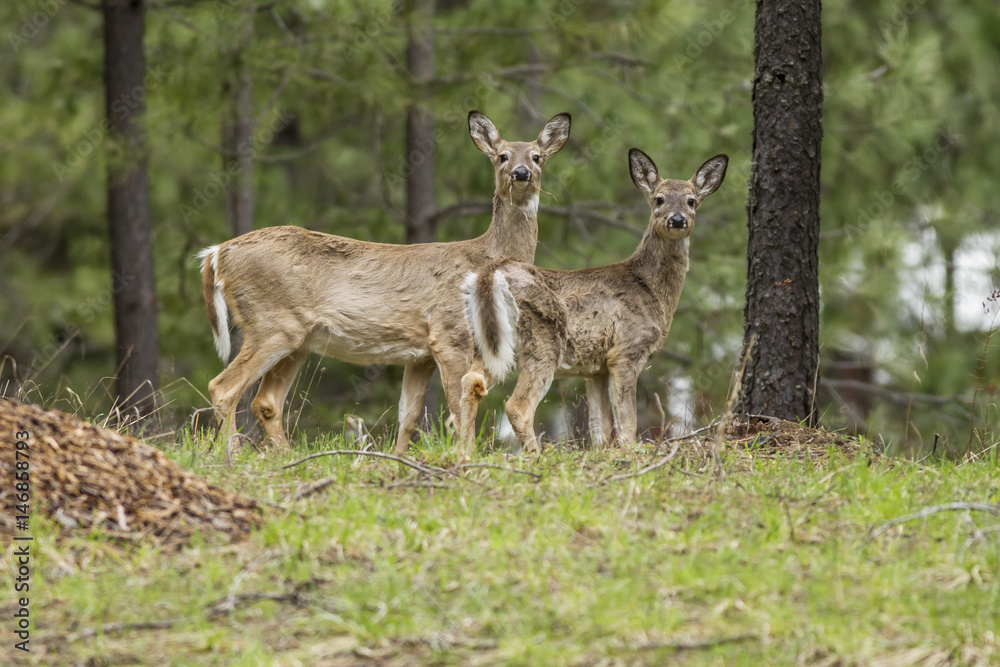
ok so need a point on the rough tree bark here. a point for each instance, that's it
(133, 287)
(782, 300)
(420, 144)
(238, 124)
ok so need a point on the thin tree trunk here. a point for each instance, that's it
(238, 127)
(133, 286)
(421, 149)
(782, 307)
(948, 249)
(236, 30)
(420, 145)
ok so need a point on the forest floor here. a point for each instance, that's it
(791, 547)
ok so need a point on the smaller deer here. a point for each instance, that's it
(600, 323)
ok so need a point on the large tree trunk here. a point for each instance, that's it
(420, 145)
(238, 125)
(782, 308)
(133, 286)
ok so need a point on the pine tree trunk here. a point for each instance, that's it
(420, 144)
(782, 306)
(238, 124)
(133, 287)
(238, 127)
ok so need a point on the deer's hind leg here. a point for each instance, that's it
(269, 403)
(253, 361)
(599, 410)
(532, 385)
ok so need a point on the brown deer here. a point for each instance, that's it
(294, 292)
(600, 323)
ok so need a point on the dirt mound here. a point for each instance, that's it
(84, 476)
(772, 436)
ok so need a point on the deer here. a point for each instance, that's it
(600, 323)
(293, 292)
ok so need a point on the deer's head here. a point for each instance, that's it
(518, 164)
(674, 202)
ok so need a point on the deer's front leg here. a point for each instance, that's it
(416, 379)
(599, 409)
(622, 393)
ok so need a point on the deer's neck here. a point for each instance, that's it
(513, 232)
(662, 265)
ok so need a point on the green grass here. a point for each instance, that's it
(768, 566)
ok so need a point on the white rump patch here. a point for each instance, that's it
(223, 345)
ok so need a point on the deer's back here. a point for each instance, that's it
(591, 315)
(354, 300)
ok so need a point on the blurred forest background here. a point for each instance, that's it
(909, 234)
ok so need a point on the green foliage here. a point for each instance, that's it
(907, 163)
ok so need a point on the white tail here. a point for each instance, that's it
(293, 292)
(215, 301)
(492, 313)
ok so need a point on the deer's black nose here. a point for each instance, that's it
(521, 174)
(677, 221)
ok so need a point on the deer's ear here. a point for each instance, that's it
(483, 132)
(709, 176)
(555, 133)
(645, 175)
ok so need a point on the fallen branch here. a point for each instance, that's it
(228, 604)
(114, 628)
(519, 471)
(416, 484)
(427, 470)
(691, 644)
(659, 464)
(927, 511)
(315, 487)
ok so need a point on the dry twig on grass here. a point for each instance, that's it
(650, 468)
(928, 511)
(519, 471)
(228, 604)
(419, 467)
(691, 644)
(116, 628)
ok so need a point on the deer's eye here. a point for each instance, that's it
(503, 157)
(659, 200)
(536, 158)
(691, 202)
